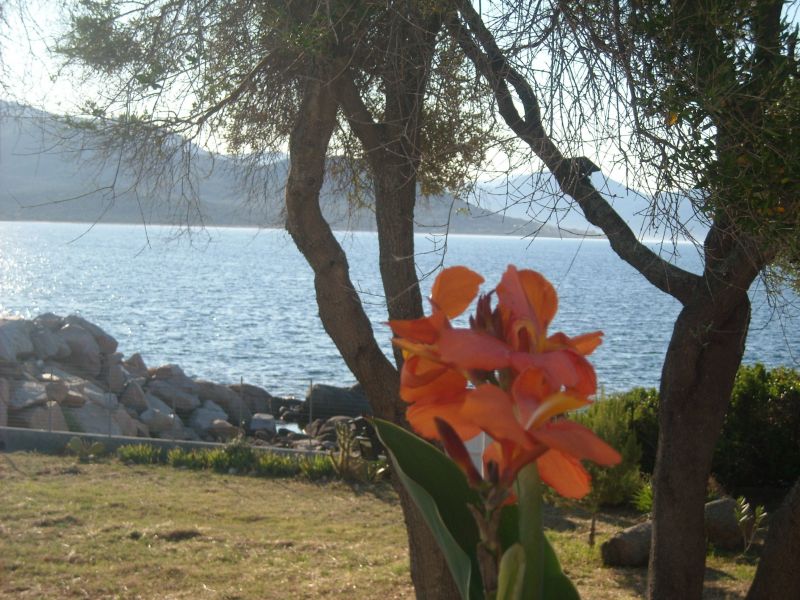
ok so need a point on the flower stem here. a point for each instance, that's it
(531, 533)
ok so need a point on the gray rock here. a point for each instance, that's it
(202, 419)
(628, 548)
(93, 418)
(47, 344)
(223, 430)
(15, 340)
(158, 422)
(127, 425)
(116, 378)
(84, 355)
(236, 408)
(56, 390)
(49, 321)
(133, 397)
(263, 422)
(107, 344)
(5, 391)
(158, 404)
(175, 376)
(722, 530)
(256, 399)
(48, 418)
(326, 401)
(27, 394)
(182, 401)
(97, 396)
(135, 365)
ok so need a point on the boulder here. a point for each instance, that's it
(48, 418)
(133, 397)
(158, 404)
(15, 339)
(49, 321)
(326, 432)
(56, 390)
(97, 396)
(93, 418)
(135, 365)
(175, 376)
(73, 399)
(258, 400)
(107, 344)
(326, 401)
(263, 423)
(178, 398)
(27, 394)
(629, 548)
(235, 407)
(223, 430)
(158, 422)
(127, 425)
(722, 530)
(84, 355)
(5, 391)
(115, 378)
(47, 345)
(203, 418)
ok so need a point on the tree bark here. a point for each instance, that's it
(704, 354)
(342, 314)
(777, 575)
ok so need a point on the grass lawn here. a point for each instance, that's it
(108, 530)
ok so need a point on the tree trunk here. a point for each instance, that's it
(704, 354)
(343, 315)
(777, 575)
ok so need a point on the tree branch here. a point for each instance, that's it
(479, 46)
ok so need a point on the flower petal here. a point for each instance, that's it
(473, 350)
(564, 474)
(578, 441)
(422, 417)
(528, 295)
(491, 409)
(553, 405)
(454, 290)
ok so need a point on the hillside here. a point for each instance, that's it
(43, 179)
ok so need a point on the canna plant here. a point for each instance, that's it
(506, 377)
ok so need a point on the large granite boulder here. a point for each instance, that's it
(180, 400)
(258, 400)
(629, 548)
(159, 422)
(27, 394)
(47, 345)
(326, 401)
(135, 365)
(133, 397)
(235, 407)
(15, 339)
(175, 376)
(222, 430)
(722, 530)
(48, 418)
(202, 419)
(100, 397)
(84, 356)
(106, 343)
(93, 418)
(264, 424)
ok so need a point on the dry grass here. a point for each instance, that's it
(108, 530)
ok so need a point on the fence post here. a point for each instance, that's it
(310, 402)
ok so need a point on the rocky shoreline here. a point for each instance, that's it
(65, 374)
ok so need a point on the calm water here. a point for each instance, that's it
(235, 304)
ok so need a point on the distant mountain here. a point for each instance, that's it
(43, 179)
(536, 196)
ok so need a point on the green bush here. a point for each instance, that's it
(141, 454)
(187, 459)
(270, 464)
(317, 467)
(760, 442)
(609, 419)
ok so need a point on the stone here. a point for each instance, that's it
(133, 397)
(157, 403)
(258, 400)
(223, 430)
(15, 340)
(327, 431)
(102, 398)
(93, 418)
(203, 418)
(236, 408)
(56, 390)
(135, 365)
(326, 401)
(116, 378)
(263, 423)
(307, 445)
(722, 530)
(84, 355)
(180, 400)
(628, 548)
(48, 418)
(73, 400)
(159, 422)
(107, 344)
(142, 430)
(127, 425)
(47, 345)
(27, 394)
(175, 376)
(49, 321)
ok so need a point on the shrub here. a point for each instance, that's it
(187, 459)
(270, 464)
(316, 467)
(140, 454)
(609, 419)
(760, 442)
(240, 456)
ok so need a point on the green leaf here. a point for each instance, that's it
(556, 584)
(531, 531)
(512, 573)
(441, 492)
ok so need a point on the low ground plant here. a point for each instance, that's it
(141, 454)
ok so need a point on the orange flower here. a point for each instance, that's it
(503, 375)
